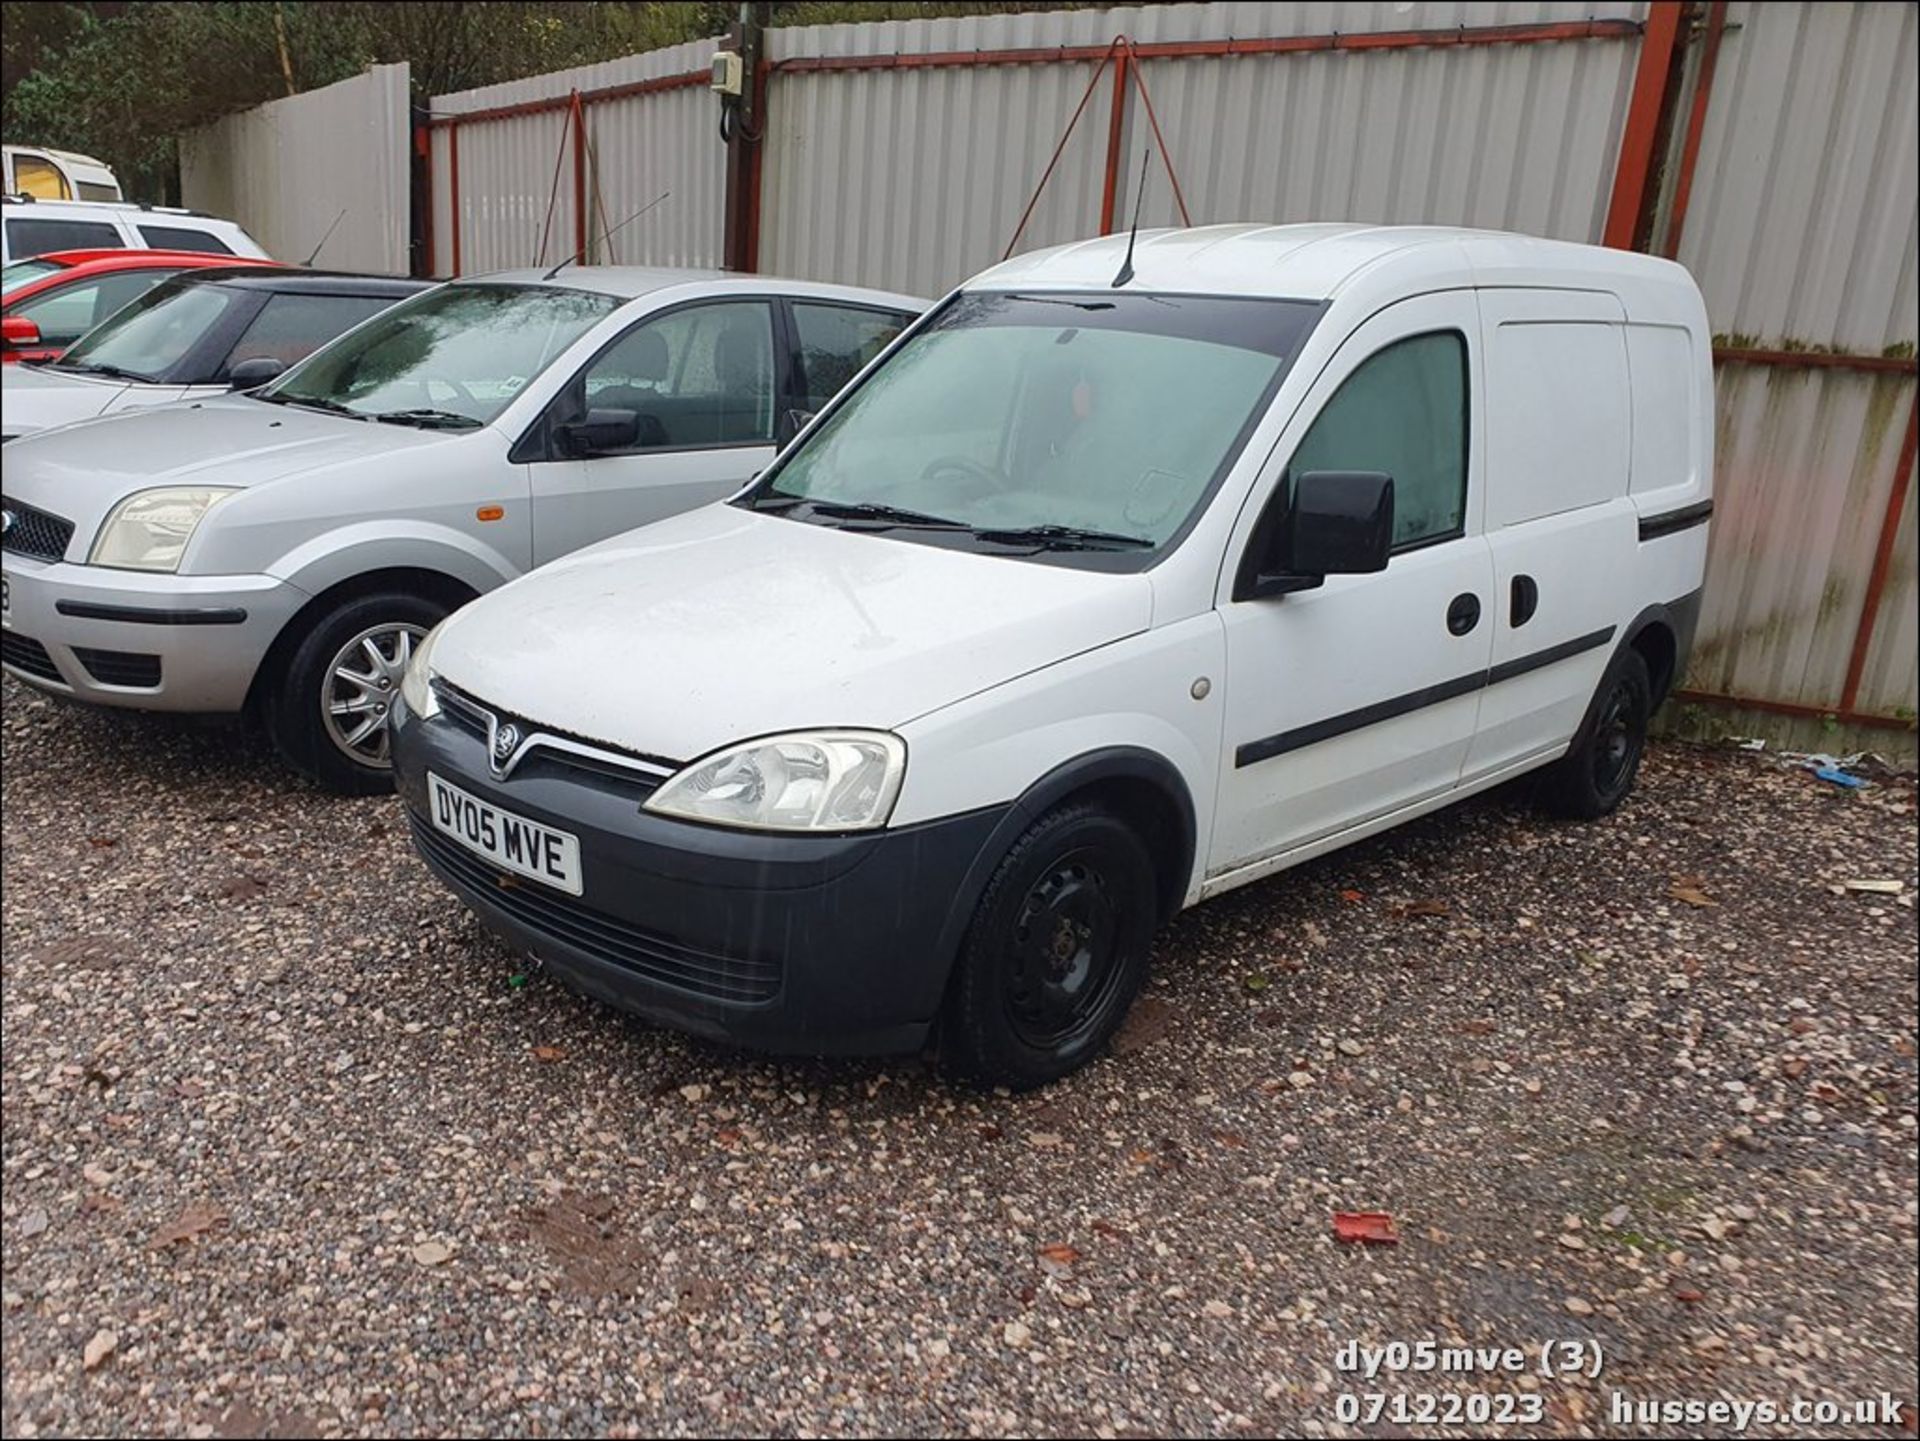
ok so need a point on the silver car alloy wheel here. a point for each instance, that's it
(362, 681)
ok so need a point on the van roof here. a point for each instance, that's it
(1319, 262)
(73, 156)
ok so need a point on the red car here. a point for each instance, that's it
(50, 301)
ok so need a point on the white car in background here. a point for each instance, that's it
(30, 227)
(281, 551)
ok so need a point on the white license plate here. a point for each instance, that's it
(512, 842)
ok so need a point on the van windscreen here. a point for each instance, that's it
(1082, 422)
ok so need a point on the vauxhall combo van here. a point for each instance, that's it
(1129, 574)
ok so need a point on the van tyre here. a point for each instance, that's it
(1593, 778)
(328, 712)
(1055, 953)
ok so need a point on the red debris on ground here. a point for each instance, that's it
(1375, 1228)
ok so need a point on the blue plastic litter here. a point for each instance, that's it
(1840, 778)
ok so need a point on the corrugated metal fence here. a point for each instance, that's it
(1770, 146)
(287, 170)
(1801, 231)
(534, 170)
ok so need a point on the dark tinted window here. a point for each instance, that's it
(27, 236)
(90, 190)
(289, 328)
(70, 311)
(178, 237)
(836, 341)
(698, 376)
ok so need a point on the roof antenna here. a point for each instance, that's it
(308, 262)
(1126, 266)
(608, 235)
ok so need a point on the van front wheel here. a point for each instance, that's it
(1055, 954)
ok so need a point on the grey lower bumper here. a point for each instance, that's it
(146, 642)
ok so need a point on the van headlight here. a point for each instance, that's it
(805, 781)
(416, 683)
(150, 530)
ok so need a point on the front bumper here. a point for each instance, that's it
(800, 944)
(143, 641)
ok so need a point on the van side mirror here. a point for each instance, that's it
(19, 333)
(254, 373)
(1340, 522)
(597, 432)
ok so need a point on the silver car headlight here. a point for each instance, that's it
(150, 530)
(416, 685)
(805, 781)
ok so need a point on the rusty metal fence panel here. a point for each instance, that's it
(287, 170)
(1777, 159)
(1802, 232)
(916, 175)
(510, 154)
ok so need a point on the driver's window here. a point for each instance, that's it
(1404, 412)
(701, 376)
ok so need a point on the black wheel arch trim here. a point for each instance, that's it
(1680, 617)
(1110, 763)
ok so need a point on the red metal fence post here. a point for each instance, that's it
(1116, 126)
(1647, 111)
(423, 150)
(1696, 127)
(579, 177)
(1882, 561)
(453, 190)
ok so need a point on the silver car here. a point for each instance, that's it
(280, 552)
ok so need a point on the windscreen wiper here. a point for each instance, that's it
(880, 517)
(427, 418)
(331, 407)
(1064, 537)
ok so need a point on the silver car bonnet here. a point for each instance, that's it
(80, 472)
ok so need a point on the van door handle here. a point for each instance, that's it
(1464, 614)
(1523, 601)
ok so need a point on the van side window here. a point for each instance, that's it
(39, 177)
(1404, 412)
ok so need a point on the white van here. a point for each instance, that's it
(1124, 577)
(49, 174)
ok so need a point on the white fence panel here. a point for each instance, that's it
(287, 169)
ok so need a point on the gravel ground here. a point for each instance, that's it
(289, 1146)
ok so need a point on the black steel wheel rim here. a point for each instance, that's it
(1616, 741)
(1063, 956)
